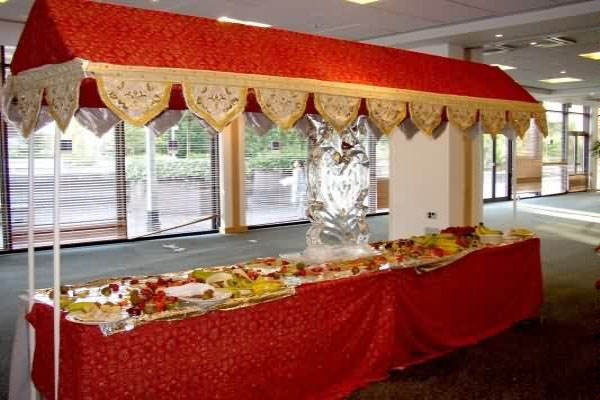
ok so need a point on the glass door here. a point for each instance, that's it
(578, 161)
(497, 170)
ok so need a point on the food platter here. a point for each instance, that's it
(219, 296)
(96, 319)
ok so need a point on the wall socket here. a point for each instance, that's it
(431, 215)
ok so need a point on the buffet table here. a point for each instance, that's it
(324, 342)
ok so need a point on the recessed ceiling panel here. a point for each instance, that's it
(439, 11)
(503, 7)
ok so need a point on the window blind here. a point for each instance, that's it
(105, 189)
(89, 202)
(172, 179)
(274, 193)
(382, 173)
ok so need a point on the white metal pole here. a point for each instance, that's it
(56, 254)
(31, 251)
(514, 180)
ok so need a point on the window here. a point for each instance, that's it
(110, 188)
(529, 164)
(171, 180)
(554, 168)
(275, 176)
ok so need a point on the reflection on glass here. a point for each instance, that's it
(553, 143)
(571, 154)
(576, 123)
(501, 166)
(574, 108)
(488, 166)
(554, 179)
(553, 106)
(580, 164)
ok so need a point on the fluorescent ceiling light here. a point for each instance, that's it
(239, 21)
(499, 35)
(533, 43)
(503, 67)
(563, 72)
(592, 56)
(566, 79)
(362, 1)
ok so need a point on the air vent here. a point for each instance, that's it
(554, 41)
(497, 49)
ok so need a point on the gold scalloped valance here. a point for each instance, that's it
(217, 105)
(386, 114)
(519, 121)
(426, 117)
(283, 107)
(462, 117)
(493, 121)
(139, 94)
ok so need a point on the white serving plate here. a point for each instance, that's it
(220, 296)
(74, 317)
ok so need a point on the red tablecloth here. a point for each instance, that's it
(324, 342)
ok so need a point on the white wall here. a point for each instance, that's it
(430, 175)
(426, 175)
(10, 32)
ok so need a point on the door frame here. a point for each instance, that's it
(509, 169)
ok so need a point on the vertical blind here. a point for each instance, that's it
(172, 179)
(273, 193)
(105, 189)
(88, 198)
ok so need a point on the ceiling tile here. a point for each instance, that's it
(434, 10)
(504, 7)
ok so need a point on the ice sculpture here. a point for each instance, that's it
(337, 191)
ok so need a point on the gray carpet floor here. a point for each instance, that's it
(552, 360)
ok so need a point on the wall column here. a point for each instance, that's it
(231, 176)
(440, 175)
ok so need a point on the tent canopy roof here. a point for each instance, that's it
(80, 53)
(61, 30)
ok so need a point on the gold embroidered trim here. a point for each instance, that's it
(386, 114)
(220, 78)
(47, 76)
(493, 121)
(29, 106)
(519, 121)
(540, 122)
(217, 105)
(426, 117)
(462, 117)
(338, 111)
(283, 107)
(121, 103)
(63, 101)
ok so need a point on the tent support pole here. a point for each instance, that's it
(31, 252)
(56, 254)
(514, 181)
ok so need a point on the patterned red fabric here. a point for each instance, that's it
(323, 343)
(60, 30)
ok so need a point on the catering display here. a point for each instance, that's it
(121, 304)
(328, 339)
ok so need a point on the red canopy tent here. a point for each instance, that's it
(81, 54)
(138, 63)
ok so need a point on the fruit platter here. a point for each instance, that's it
(120, 304)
